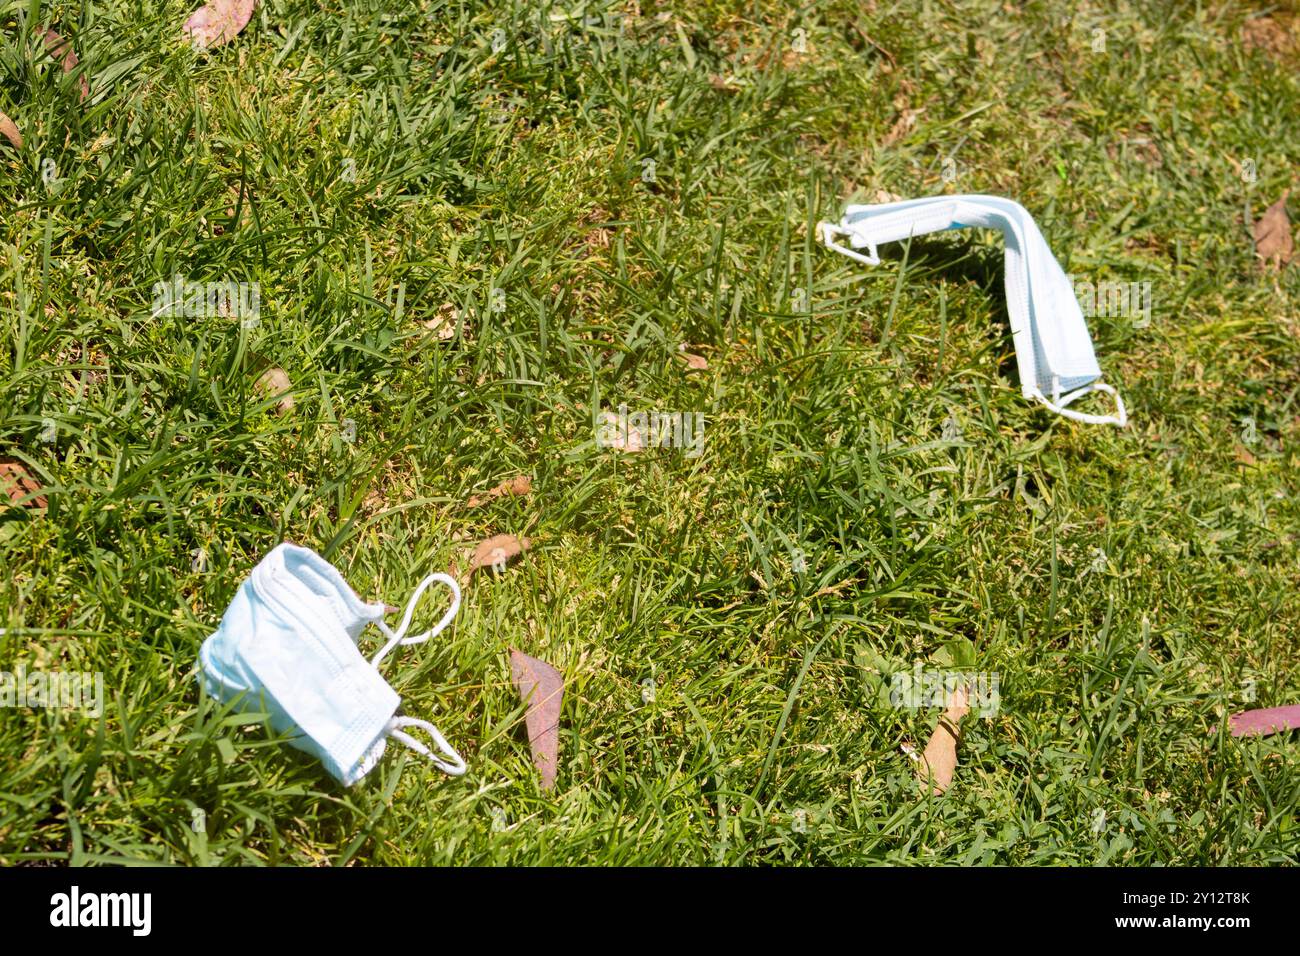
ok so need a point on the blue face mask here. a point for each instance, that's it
(287, 646)
(1053, 347)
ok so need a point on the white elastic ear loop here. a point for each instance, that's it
(827, 230)
(1120, 418)
(392, 729)
(454, 769)
(398, 636)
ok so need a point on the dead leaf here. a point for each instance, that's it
(596, 236)
(17, 483)
(1138, 143)
(218, 22)
(541, 687)
(275, 382)
(619, 435)
(10, 131)
(1269, 35)
(497, 551)
(518, 486)
(443, 325)
(61, 49)
(723, 84)
(902, 126)
(1264, 721)
(940, 757)
(1244, 455)
(693, 361)
(1273, 242)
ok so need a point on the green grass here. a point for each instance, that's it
(521, 171)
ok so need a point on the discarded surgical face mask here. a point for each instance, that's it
(287, 646)
(1053, 349)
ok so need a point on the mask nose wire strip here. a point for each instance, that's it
(399, 636)
(393, 729)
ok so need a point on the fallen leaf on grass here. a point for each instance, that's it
(618, 435)
(443, 325)
(1266, 720)
(519, 486)
(1266, 34)
(542, 688)
(218, 22)
(693, 361)
(10, 131)
(940, 757)
(497, 551)
(1273, 242)
(275, 382)
(1140, 144)
(61, 49)
(902, 126)
(17, 483)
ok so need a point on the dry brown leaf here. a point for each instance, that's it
(218, 22)
(940, 758)
(1267, 34)
(10, 131)
(541, 687)
(596, 236)
(518, 486)
(693, 362)
(17, 483)
(1244, 455)
(1273, 242)
(497, 551)
(61, 50)
(1264, 721)
(612, 434)
(1140, 144)
(274, 382)
(723, 84)
(902, 126)
(443, 325)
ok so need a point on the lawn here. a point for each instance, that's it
(473, 228)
